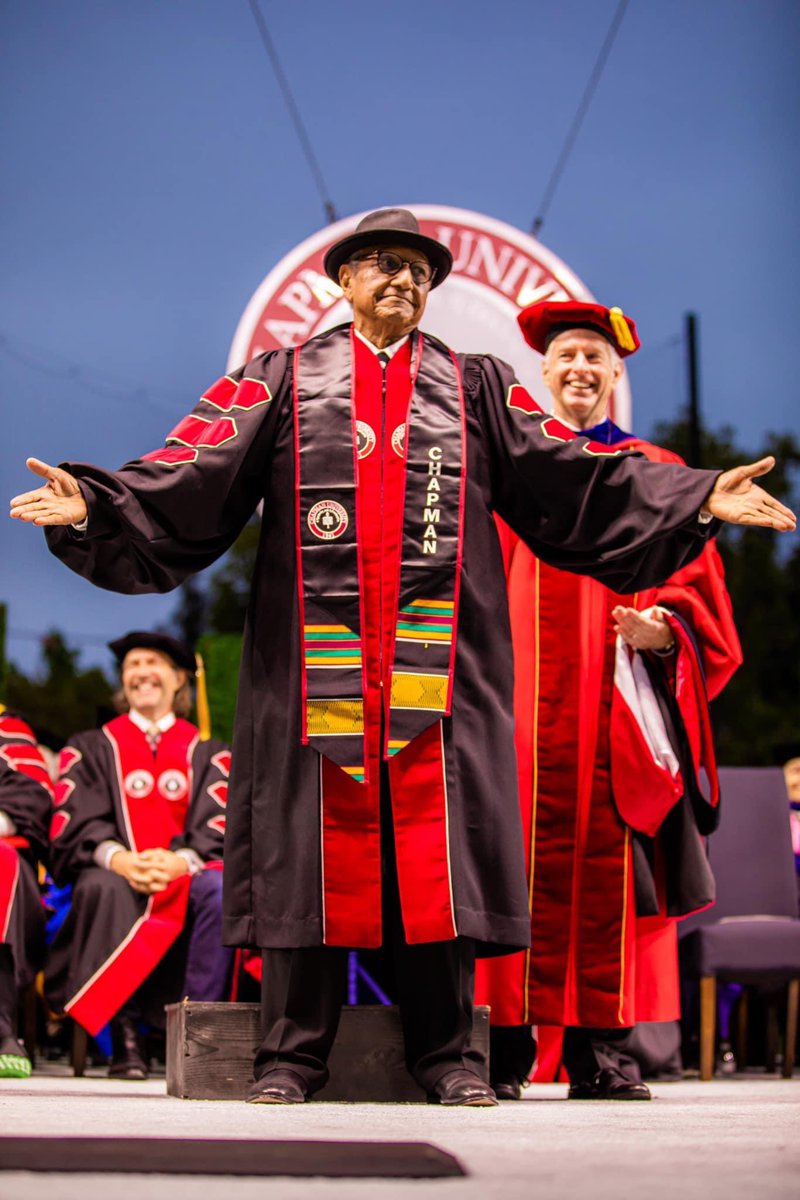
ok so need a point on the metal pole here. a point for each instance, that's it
(695, 423)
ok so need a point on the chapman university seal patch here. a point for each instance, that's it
(328, 520)
(139, 784)
(497, 270)
(173, 784)
(399, 440)
(365, 435)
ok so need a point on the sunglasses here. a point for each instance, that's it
(391, 264)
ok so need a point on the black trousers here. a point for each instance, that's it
(303, 991)
(587, 1051)
(22, 954)
(512, 1053)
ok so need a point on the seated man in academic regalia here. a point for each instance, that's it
(26, 801)
(138, 829)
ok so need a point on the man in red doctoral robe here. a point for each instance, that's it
(374, 793)
(608, 781)
(26, 801)
(138, 829)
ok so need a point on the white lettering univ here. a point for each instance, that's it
(494, 265)
(501, 266)
(307, 296)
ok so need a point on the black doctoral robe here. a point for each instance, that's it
(113, 787)
(615, 516)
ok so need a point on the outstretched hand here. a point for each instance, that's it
(737, 499)
(59, 502)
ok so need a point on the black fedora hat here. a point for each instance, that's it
(389, 226)
(179, 652)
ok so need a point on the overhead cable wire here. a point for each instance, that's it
(669, 343)
(31, 635)
(294, 111)
(583, 108)
(89, 379)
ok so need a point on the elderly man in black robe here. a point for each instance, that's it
(374, 792)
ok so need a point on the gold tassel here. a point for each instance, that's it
(621, 331)
(203, 711)
(2, 709)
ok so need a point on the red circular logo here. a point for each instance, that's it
(173, 784)
(139, 784)
(328, 520)
(399, 440)
(365, 435)
(497, 270)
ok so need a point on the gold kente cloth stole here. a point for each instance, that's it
(330, 587)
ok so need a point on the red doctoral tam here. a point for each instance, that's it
(540, 323)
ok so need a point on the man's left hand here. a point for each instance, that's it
(737, 499)
(164, 866)
(642, 631)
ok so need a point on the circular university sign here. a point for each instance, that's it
(497, 270)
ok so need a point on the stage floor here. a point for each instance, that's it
(733, 1140)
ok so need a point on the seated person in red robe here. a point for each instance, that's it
(610, 815)
(138, 829)
(26, 801)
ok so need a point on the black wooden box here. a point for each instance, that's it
(210, 1051)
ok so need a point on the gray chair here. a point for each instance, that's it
(752, 933)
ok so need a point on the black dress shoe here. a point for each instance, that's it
(609, 1085)
(127, 1056)
(508, 1090)
(464, 1088)
(278, 1087)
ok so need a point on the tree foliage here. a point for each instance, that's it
(62, 698)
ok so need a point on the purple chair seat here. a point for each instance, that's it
(752, 933)
(747, 949)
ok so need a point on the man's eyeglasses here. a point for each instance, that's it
(390, 263)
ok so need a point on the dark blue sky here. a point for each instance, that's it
(152, 178)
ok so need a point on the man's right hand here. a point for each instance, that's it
(59, 502)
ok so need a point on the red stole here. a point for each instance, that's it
(350, 810)
(9, 875)
(154, 791)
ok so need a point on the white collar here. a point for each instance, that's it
(389, 351)
(164, 723)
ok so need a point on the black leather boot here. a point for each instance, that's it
(127, 1054)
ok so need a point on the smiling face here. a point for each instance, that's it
(150, 682)
(580, 370)
(385, 307)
